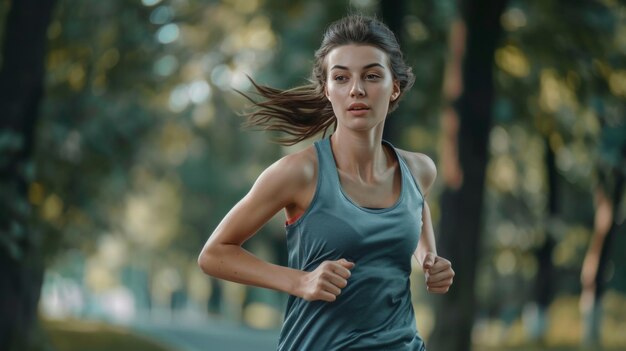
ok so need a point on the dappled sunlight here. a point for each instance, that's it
(52, 208)
(261, 316)
(198, 285)
(506, 262)
(513, 19)
(195, 92)
(76, 76)
(168, 33)
(150, 2)
(555, 93)
(175, 142)
(416, 29)
(504, 173)
(245, 7)
(98, 277)
(617, 83)
(571, 247)
(513, 61)
(203, 115)
(112, 252)
(166, 65)
(166, 281)
(151, 216)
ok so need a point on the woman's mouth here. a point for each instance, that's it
(358, 109)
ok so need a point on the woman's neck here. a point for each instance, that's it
(361, 155)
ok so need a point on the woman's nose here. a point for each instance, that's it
(357, 89)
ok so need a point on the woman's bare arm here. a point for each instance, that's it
(280, 186)
(437, 270)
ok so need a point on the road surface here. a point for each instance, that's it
(205, 336)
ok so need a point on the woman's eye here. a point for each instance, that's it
(340, 78)
(372, 76)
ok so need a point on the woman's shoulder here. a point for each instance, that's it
(422, 168)
(286, 180)
(298, 168)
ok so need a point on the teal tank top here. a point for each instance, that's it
(374, 311)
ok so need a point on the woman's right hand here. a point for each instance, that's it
(326, 281)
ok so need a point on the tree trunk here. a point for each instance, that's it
(462, 203)
(393, 15)
(545, 273)
(608, 198)
(544, 281)
(21, 90)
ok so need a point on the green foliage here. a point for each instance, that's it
(140, 142)
(556, 74)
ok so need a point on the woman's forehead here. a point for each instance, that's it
(353, 56)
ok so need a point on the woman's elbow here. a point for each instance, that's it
(205, 260)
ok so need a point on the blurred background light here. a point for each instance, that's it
(168, 33)
(161, 15)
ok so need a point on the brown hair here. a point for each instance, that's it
(304, 111)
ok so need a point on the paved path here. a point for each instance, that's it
(208, 336)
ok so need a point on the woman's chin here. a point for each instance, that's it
(361, 125)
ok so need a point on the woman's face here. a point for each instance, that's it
(359, 85)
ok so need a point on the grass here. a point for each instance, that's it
(563, 331)
(94, 336)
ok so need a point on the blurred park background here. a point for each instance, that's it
(121, 148)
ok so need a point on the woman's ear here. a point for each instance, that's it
(396, 90)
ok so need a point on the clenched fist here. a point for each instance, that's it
(326, 281)
(438, 273)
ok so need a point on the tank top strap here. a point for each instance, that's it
(326, 166)
(407, 176)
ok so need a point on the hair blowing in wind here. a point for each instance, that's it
(304, 111)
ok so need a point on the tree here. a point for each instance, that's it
(608, 198)
(21, 90)
(469, 88)
(393, 15)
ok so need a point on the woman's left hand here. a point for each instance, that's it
(438, 272)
